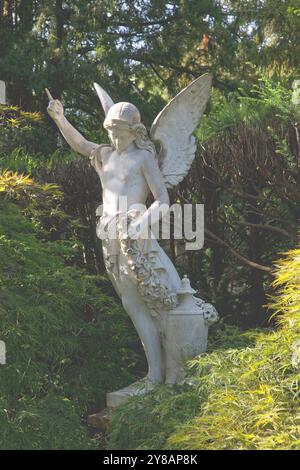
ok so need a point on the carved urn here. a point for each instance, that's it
(186, 331)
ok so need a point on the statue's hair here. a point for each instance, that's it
(142, 140)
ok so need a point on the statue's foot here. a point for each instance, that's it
(148, 383)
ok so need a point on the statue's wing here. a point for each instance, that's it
(174, 126)
(104, 98)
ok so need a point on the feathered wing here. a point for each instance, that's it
(104, 98)
(174, 126)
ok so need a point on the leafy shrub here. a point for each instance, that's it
(246, 396)
(41, 203)
(147, 422)
(67, 342)
(27, 130)
(69, 214)
(245, 173)
(23, 188)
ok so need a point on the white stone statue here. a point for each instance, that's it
(142, 274)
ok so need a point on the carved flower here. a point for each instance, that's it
(210, 314)
(149, 282)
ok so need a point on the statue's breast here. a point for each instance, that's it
(122, 168)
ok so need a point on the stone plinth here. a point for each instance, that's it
(139, 388)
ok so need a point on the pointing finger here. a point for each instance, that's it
(50, 97)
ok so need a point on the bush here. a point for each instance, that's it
(246, 395)
(67, 342)
(27, 130)
(245, 173)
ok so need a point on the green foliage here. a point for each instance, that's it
(29, 131)
(65, 210)
(67, 342)
(22, 188)
(246, 175)
(287, 303)
(19, 160)
(263, 102)
(246, 396)
(52, 422)
(145, 49)
(40, 202)
(146, 422)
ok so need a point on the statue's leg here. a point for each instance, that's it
(146, 326)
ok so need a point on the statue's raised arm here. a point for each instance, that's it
(72, 136)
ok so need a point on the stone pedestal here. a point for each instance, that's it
(141, 387)
(186, 333)
(184, 336)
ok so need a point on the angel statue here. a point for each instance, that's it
(129, 167)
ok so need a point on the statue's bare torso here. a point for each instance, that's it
(123, 174)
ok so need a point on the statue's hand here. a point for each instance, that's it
(133, 231)
(138, 229)
(55, 108)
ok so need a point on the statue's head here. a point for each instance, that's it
(124, 113)
(123, 123)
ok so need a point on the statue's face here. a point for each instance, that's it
(121, 136)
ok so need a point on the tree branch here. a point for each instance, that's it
(244, 260)
(279, 230)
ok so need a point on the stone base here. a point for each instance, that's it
(139, 388)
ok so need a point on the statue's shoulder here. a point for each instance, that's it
(100, 150)
(98, 153)
(145, 154)
(104, 149)
(147, 158)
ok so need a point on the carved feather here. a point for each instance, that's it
(104, 98)
(174, 126)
